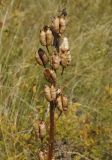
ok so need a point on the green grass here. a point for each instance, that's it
(88, 80)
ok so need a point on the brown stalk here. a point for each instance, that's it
(51, 133)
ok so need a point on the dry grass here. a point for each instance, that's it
(88, 80)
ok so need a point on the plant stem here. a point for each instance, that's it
(51, 133)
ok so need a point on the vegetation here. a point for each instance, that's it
(85, 129)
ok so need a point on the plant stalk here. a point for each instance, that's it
(51, 132)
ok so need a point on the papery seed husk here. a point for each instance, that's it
(69, 58)
(47, 92)
(58, 92)
(55, 24)
(59, 103)
(45, 59)
(43, 38)
(64, 45)
(42, 129)
(53, 75)
(62, 23)
(53, 92)
(41, 155)
(50, 75)
(49, 37)
(64, 60)
(46, 155)
(55, 61)
(65, 103)
(39, 61)
(43, 56)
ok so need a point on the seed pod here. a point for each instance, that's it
(49, 37)
(46, 155)
(58, 92)
(53, 92)
(68, 57)
(47, 92)
(50, 75)
(59, 103)
(55, 24)
(62, 23)
(55, 61)
(41, 155)
(64, 103)
(41, 57)
(64, 60)
(64, 45)
(42, 130)
(38, 59)
(43, 37)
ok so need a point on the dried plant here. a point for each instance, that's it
(59, 56)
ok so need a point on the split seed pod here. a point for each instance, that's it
(53, 92)
(38, 59)
(49, 37)
(50, 75)
(62, 103)
(64, 60)
(55, 24)
(41, 57)
(43, 37)
(59, 103)
(42, 130)
(64, 45)
(47, 92)
(65, 103)
(69, 58)
(62, 23)
(55, 61)
(41, 155)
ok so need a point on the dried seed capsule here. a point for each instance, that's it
(59, 103)
(64, 45)
(55, 61)
(50, 75)
(68, 57)
(62, 23)
(39, 61)
(47, 92)
(53, 92)
(58, 92)
(41, 57)
(46, 155)
(43, 37)
(55, 24)
(49, 37)
(64, 60)
(65, 103)
(42, 130)
(41, 155)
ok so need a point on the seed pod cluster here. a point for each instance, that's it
(59, 24)
(41, 57)
(50, 93)
(46, 36)
(60, 56)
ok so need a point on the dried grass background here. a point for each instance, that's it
(87, 126)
